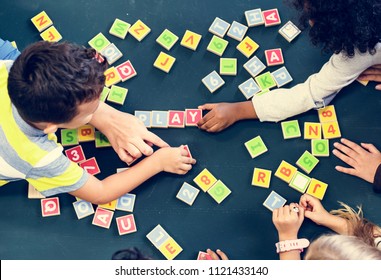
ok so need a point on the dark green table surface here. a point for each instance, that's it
(241, 225)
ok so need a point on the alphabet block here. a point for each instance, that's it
(285, 171)
(192, 116)
(271, 17)
(317, 188)
(255, 146)
(158, 236)
(144, 116)
(274, 201)
(203, 256)
(249, 88)
(176, 119)
(75, 154)
(363, 82)
(90, 166)
(219, 27)
(281, 76)
(167, 39)
(300, 182)
(112, 76)
(111, 53)
(83, 208)
(117, 94)
(237, 31)
(104, 94)
(205, 180)
(119, 28)
(126, 70)
(99, 42)
(307, 162)
(110, 205)
(159, 119)
(320, 147)
(228, 66)
(86, 133)
(164, 62)
(69, 137)
(219, 191)
(265, 81)
(274, 57)
(33, 193)
(102, 217)
(289, 31)
(126, 224)
(327, 114)
(247, 46)
(170, 249)
(312, 130)
(187, 193)
(291, 129)
(50, 207)
(213, 81)
(190, 40)
(261, 178)
(254, 17)
(254, 66)
(139, 30)
(101, 140)
(51, 35)
(331, 130)
(217, 45)
(126, 202)
(41, 21)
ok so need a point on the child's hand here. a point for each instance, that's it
(313, 209)
(364, 159)
(174, 160)
(218, 255)
(220, 116)
(288, 221)
(372, 74)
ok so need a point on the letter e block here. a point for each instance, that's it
(170, 249)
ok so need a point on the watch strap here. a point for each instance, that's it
(289, 245)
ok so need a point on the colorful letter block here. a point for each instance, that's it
(33, 193)
(119, 28)
(254, 66)
(126, 71)
(187, 193)
(300, 182)
(126, 202)
(83, 208)
(261, 178)
(110, 205)
(164, 62)
(327, 114)
(111, 53)
(249, 88)
(219, 27)
(254, 17)
(274, 201)
(331, 130)
(190, 40)
(75, 154)
(203, 256)
(50, 207)
(139, 30)
(102, 217)
(228, 66)
(159, 119)
(320, 147)
(265, 81)
(285, 171)
(312, 130)
(176, 119)
(145, 117)
(307, 162)
(170, 249)
(317, 188)
(158, 236)
(101, 140)
(282, 76)
(41, 21)
(213, 81)
(289, 31)
(291, 129)
(112, 76)
(90, 166)
(86, 133)
(117, 94)
(219, 191)
(217, 45)
(256, 146)
(271, 17)
(69, 137)
(205, 180)
(247, 46)
(274, 57)
(99, 42)
(126, 224)
(104, 94)
(51, 35)
(167, 39)
(192, 116)
(237, 31)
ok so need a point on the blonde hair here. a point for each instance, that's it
(341, 247)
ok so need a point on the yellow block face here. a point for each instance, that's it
(317, 188)
(164, 62)
(327, 114)
(51, 35)
(191, 40)
(112, 77)
(170, 249)
(261, 178)
(285, 171)
(139, 30)
(312, 130)
(331, 130)
(205, 180)
(247, 47)
(42, 21)
(111, 205)
(86, 133)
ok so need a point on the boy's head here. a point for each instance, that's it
(57, 83)
(342, 25)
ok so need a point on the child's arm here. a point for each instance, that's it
(173, 160)
(126, 133)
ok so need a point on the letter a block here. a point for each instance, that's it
(41, 21)
(83, 208)
(265, 81)
(192, 116)
(102, 217)
(126, 202)
(274, 57)
(256, 146)
(139, 30)
(164, 62)
(190, 40)
(300, 182)
(51, 35)
(261, 178)
(247, 46)
(126, 224)
(50, 207)
(320, 147)
(285, 171)
(291, 129)
(312, 130)
(219, 191)
(317, 188)
(176, 119)
(307, 162)
(187, 193)
(274, 201)
(205, 180)
(119, 28)
(271, 17)
(249, 88)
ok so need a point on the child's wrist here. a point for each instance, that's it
(287, 236)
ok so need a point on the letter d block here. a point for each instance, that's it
(256, 146)
(261, 178)
(50, 207)
(285, 171)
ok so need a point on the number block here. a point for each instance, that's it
(187, 193)
(176, 119)
(217, 45)
(213, 81)
(83, 209)
(145, 117)
(255, 147)
(291, 129)
(99, 42)
(126, 224)
(126, 202)
(320, 147)
(69, 137)
(159, 119)
(190, 40)
(102, 217)
(274, 57)
(164, 62)
(282, 76)
(117, 94)
(254, 17)
(312, 130)
(317, 188)
(51, 35)
(86, 133)
(219, 27)
(104, 94)
(203, 256)
(285, 171)
(50, 207)
(126, 70)
(119, 28)
(112, 76)
(205, 180)
(219, 191)
(289, 31)
(307, 162)
(274, 201)
(254, 66)
(261, 178)
(33, 193)
(111, 53)
(110, 205)
(170, 249)
(101, 140)
(331, 130)
(249, 88)
(265, 81)
(41, 21)
(300, 182)
(90, 166)
(247, 46)
(228, 66)
(237, 31)
(271, 17)
(75, 154)
(192, 116)
(158, 236)
(167, 39)
(327, 114)
(139, 30)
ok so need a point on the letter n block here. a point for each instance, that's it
(317, 188)
(285, 171)
(312, 130)
(139, 30)
(50, 207)
(261, 178)
(126, 224)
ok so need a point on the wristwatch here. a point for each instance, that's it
(289, 245)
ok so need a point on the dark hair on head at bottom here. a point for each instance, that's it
(130, 254)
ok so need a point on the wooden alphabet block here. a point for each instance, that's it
(167, 39)
(217, 45)
(110, 205)
(254, 66)
(69, 137)
(320, 147)
(261, 178)
(126, 202)
(192, 116)
(158, 236)
(187, 193)
(285, 171)
(237, 31)
(102, 217)
(186, 148)
(126, 224)
(312, 130)
(203, 256)
(219, 27)
(104, 94)
(119, 28)
(176, 119)
(99, 42)
(274, 201)
(159, 119)
(289, 31)
(101, 140)
(51, 35)
(327, 114)
(331, 130)
(247, 46)
(249, 88)
(317, 188)
(145, 117)
(228, 66)
(274, 57)
(213, 81)
(256, 146)
(170, 249)
(50, 207)
(139, 30)
(307, 162)
(219, 191)
(164, 62)
(83, 208)
(254, 17)
(117, 94)
(112, 76)
(111, 53)
(300, 182)
(271, 17)
(205, 180)
(282, 76)
(33, 193)
(291, 129)
(126, 70)
(190, 40)
(75, 154)
(90, 166)
(41, 21)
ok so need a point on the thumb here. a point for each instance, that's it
(207, 106)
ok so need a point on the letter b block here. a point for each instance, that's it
(285, 171)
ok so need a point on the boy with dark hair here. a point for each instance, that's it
(57, 85)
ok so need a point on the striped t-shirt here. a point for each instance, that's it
(28, 153)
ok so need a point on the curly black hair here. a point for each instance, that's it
(342, 25)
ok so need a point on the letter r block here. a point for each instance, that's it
(261, 178)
